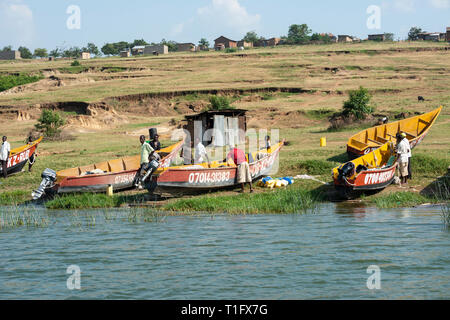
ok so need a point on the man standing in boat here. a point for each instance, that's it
(147, 152)
(403, 151)
(243, 168)
(5, 149)
(155, 144)
(200, 152)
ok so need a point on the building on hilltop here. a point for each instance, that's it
(156, 49)
(431, 36)
(10, 55)
(223, 42)
(186, 47)
(377, 37)
(85, 56)
(125, 54)
(272, 42)
(345, 38)
(245, 44)
(137, 50)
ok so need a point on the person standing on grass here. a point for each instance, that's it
(5, 149)
(32, 159)
(403, 151)
(243, 168)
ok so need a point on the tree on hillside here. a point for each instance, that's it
(73, 52)
(25, 53)
(203, 43)
(389, 36)
(358, 103)
(7, 48)
(40, 53)
(114, 49)
(298, 34)
(171, 44)
(413, 34)
(251, 37)
(138, 42)
(55, 53)
(92, 49)
(49, 123)
(109, 49)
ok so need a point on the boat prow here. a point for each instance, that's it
(416, 128)
(19, 157)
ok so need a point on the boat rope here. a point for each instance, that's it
(351, 184)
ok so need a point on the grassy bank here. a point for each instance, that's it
(289, 200)
(91, 201)
(401, 200)
(16, 197)
(11, 81)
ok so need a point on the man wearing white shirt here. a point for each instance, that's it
(5, 149)
(200, 152)
(403, 151)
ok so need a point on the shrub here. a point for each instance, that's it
(358, 103)
(219, 103)
(230, 50)
(11, 81)
(76, 63)
(49, 123)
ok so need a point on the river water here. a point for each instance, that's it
(322, 255)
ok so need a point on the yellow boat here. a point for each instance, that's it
(370, 172)
(19, 157)
(416, 128)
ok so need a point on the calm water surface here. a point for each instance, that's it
(315, 256)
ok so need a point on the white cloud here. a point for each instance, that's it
(440, 4)
(231, 14)
(177, 29)
(16, 23)
(405, 5)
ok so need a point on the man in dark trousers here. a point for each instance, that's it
(5, 149)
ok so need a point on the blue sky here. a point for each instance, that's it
(42, 23)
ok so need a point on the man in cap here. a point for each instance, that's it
(403, 152)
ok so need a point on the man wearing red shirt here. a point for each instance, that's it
(243, 169)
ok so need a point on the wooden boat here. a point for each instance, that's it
(371, 172)
(19, 157)
(194, 178)
(118, 173)
(416, 128)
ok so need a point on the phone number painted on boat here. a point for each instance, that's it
(209, 177)
(379, 177)
(124, 179)
(18, 158)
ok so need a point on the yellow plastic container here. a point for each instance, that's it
(323, 142)
(110, 191)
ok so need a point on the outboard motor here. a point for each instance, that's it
(347, 170)
(153, 165)
(48, 179)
